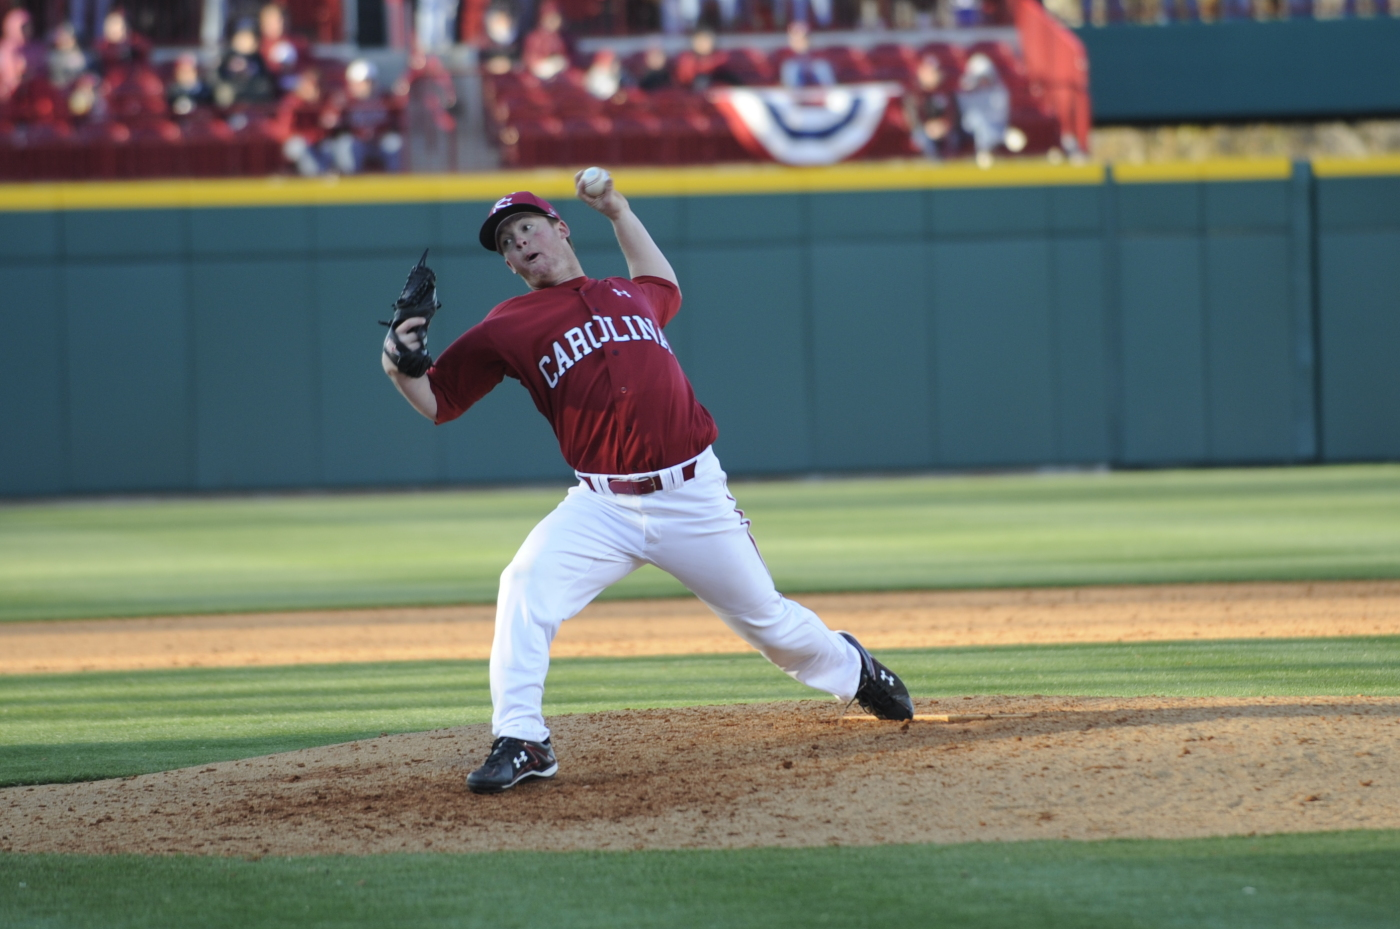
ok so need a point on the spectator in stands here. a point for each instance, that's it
(967, 12)
(870, 18)
(85, 100)
(546, 52)
(502, 49)
(243, 75)
(656, 71)
(804, 11)
(985, 105)
(307, 116)
(187, 90)
(66, 58)
(86, 29)
(604, 76)
(14, 62)
(802, 68)
(678, 16)
(282, 54)
(119, 47)
(368, 131)
(36, 53)
(703, 65)
(932, 112)
(430, 24)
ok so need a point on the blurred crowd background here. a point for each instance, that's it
(147, 88)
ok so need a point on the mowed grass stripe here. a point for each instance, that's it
(130, 558)
(1347, 879)
(71, 727)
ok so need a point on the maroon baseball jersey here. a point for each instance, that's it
(598, 366)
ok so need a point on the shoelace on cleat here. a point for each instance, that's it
(502, 749)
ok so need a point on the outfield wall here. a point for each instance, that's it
(198, 336)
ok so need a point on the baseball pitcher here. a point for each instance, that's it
(593, 355)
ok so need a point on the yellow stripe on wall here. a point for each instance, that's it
(1356, 167)
(1242, 169)
(419, 188)
(642, 182)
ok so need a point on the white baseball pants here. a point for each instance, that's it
(693, 530)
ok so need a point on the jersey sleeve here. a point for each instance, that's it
(465, 372)
(664, 297)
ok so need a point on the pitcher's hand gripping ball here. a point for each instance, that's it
(594, 181)
(418, 299)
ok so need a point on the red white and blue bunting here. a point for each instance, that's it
(807, 125)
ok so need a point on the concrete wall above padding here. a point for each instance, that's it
(1299, 69)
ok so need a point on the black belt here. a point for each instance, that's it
(644, 485)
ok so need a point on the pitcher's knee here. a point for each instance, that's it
(515, 577)
(528, 596)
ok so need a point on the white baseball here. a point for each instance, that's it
(595, 181)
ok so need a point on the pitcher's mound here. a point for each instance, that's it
(774, 774)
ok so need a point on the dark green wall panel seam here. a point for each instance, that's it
(811, 427)
(931, 309)
(318, 400)
(191, 359)
(65, 359)
(1113, 318)
(1208, 416)
(1307, 406)
(1057, 373)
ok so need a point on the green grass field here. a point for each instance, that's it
(157, 557)
(142, 557)
(1339, 880)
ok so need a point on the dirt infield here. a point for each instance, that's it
(780, 774)
(792, 774)
(673, 627)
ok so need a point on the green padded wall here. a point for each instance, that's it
(1358, 263)
(1133, 324)
(128, 391)
(34, 397)
(1206, 302)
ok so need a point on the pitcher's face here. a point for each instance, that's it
(537, 249)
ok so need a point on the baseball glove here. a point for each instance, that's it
(419, 298)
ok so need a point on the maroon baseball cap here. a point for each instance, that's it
(522, 201)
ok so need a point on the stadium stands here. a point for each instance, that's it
(557, 122)
(112, 110)
(124, 117)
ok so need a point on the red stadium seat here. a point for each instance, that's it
(750, 66)
(37, 101)
(636, 140)
(588, 139)
(531, 142)
(850, 64)
(209, 146)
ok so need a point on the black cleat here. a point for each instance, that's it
(881, 693)
(510, 762)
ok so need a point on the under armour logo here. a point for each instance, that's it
(520, 759)
(886, 677)
(501, 204)
(621, 293)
